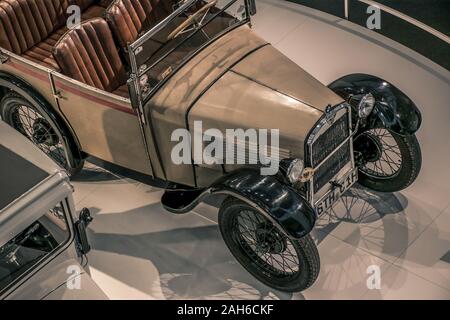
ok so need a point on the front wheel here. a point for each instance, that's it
(390, 162)
(268, 254)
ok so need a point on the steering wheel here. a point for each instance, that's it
(190, 20)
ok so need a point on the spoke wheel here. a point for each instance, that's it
(272, 251)
(267, 253)
(386, 157)
(28, 120)
(390, 162)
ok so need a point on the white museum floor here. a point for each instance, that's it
(140, 251)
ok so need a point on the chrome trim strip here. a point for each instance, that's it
(323, 125)
(346, 9)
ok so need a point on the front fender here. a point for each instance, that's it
(278, 202)
(393, 109)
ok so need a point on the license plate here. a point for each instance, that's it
(327, 201)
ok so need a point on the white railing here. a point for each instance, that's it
(402, 16)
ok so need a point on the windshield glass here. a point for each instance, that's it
(158, 53)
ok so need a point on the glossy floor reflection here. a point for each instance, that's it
(142, 252)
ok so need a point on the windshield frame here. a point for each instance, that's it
(135, 48)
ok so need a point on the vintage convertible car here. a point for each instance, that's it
(119, 84)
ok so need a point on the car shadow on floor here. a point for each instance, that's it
(360, 205)
(92, 173)
(191, 262)
(372, 220)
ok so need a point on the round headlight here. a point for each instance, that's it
(366, 105)
(295, 170)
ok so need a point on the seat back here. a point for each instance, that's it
(127, 19)
(25, 23)
(83, 4)
(89, 54)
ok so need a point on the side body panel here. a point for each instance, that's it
(106, 125)
(89, 290)
(35, 75)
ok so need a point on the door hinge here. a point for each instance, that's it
(3, 57)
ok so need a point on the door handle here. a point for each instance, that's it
(3, 57)
(58, 95)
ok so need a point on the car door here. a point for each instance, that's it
(106, 125)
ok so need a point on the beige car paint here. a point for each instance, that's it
(105, 125)
(253, 86)
(37, 76)
(168, 107)
(238, 81)
(271, 68)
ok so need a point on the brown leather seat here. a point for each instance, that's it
(89, 54)
(26, 24)
(127, 19)
(32, 27)
(92, 9)
(42, 52)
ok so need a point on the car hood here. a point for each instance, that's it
(266, 90)
(270, 68)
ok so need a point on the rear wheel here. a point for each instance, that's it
(390, 162)
(40, 129)
(268, 254)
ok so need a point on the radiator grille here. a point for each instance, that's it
(324, 145)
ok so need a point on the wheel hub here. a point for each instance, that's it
(270, 240)
(43, 133)
(369, 146)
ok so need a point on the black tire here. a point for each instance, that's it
(305, 250)
(22, 115)
(400, 176)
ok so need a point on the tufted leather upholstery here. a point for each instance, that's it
(32, 27)
(89, 54)
(42, 52)
(25, 23)
(93, 12)
(127, 18)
